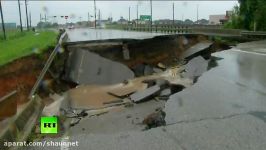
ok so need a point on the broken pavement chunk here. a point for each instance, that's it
(142, 95)
(161, 65)
(157, 70)
(200, 49)
(148, 70)
(84, 67)
(196, 67)
(126, 52)
(165, 92)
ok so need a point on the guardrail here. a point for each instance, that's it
(178, 28)
(196, 29)
(47, 64)
(8, 105)
(19, 127)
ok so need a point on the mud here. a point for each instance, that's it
(21, 75)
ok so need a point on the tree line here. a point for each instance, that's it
(249, 15)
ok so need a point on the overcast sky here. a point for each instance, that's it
(78, 10)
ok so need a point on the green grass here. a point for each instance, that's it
(21, 44)
(11, 34)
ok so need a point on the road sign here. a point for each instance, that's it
(145, 17)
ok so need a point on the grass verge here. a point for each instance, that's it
(26, 44)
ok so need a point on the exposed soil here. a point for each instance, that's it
(166, 50)
(21, 75)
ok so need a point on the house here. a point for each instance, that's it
(216, 19)
(220, 19)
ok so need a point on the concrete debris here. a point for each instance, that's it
(157, 70)
(53, 109)
(160, 82)
(148, 70)
(139, 70)
(155, 119)
(126, 54)
(195, 67)
(143, 70)
(166, 92)
(161, 65)
(84, 67)
(142, 95)
(200, 49)
(149, 82)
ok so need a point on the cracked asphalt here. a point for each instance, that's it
(224, 110)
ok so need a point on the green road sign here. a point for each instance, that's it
(48, 124)
(145, 17)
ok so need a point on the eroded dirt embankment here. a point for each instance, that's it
(21, 75)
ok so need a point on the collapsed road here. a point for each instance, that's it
(167, 92)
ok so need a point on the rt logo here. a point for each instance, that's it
(49, 125)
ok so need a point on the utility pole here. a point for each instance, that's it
(30, 19)
(27, 15)
(3, 23)
(99, 17)
(88, 16)
(21, 29)
(95, 14)
(173, 13)
(197, 13)
(151, 14)
(129, 14)
(137, 15)
(40, 17)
